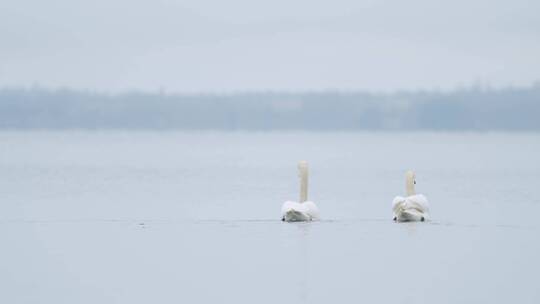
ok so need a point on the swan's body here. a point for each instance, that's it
(414, 207)
(299, 212)
(304, 210)
(411, 208)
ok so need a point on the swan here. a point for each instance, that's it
(414, 207)
(304, 210)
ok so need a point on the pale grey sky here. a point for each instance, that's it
(239, 45)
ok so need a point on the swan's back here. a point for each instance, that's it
(414, 207)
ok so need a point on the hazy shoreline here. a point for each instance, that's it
(468, 109)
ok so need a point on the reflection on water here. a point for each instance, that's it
(411, 227)
(303, 258)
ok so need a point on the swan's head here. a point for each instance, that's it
(410, 181)
(410, 177)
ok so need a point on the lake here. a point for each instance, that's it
(194, 217)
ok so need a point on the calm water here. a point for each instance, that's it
(143, 217)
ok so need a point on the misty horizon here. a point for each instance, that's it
(473, 108)
(471, 86)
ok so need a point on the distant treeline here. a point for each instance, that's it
(463, 109)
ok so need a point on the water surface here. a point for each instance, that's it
(169, 217)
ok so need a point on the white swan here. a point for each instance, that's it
(414, 207)
(304, 210)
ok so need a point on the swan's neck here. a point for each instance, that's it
(409, 186)
(303, 182)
